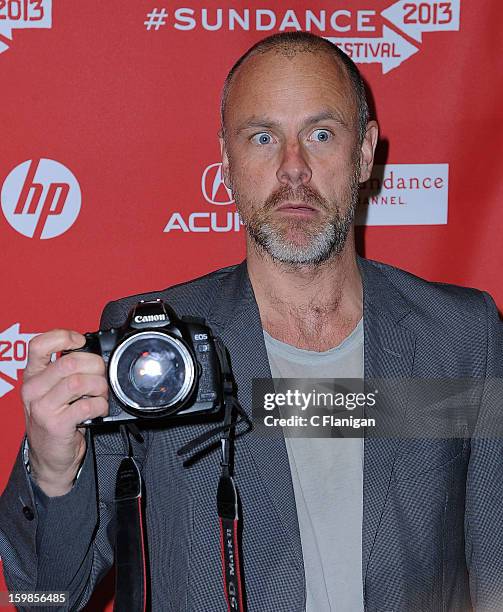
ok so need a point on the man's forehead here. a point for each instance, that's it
(274, 63)
(277, 79)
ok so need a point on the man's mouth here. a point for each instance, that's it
(296, 208)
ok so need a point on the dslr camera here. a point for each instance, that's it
(159, 365)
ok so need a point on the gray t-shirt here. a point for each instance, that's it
(327, 476)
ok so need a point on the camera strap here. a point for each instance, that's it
(228, 512)
(130, 557)
(130, 560)
(227, 494)
(227, 499)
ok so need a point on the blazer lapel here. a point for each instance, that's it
(388, 354)
(236, 319)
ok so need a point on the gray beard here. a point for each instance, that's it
(321, 246)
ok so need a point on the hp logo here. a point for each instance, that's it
(41, 198)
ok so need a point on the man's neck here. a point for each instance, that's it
(311, 307)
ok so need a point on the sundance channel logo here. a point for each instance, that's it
(396, 194)
(365, 34)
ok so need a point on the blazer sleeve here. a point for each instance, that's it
(484, 490)
(63, 543)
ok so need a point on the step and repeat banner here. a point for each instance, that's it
(110, 180)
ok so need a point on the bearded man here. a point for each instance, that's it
(328, 524)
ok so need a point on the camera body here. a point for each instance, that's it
(159, 365)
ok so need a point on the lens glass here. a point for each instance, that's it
(154, 370)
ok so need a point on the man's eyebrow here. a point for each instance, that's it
(326, 115)
(256, 121)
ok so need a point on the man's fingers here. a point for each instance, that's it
(38, 385)
(43, 346)
(88, 408)
(55, 404)
(77, 413)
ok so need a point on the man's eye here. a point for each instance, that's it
(321, 135)
(262, 139)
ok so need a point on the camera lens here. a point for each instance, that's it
(152, 372)
(149, 371)
(155, 372)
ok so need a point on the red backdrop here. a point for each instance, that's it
(109, 156)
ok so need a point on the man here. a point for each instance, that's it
(388, 525)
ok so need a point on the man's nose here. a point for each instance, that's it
(294, 169)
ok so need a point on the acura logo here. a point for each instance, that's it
(213, 187)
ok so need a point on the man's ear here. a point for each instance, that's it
(225, 160)
(367, 150)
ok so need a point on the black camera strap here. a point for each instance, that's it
(130, 560)
(227, 499)
(228, 512)
(227, 494)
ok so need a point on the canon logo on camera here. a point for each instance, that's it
(149, 318)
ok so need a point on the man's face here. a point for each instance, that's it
(291, 154)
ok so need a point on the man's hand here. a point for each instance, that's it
(53, 410)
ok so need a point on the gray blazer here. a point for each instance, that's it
(433, 509)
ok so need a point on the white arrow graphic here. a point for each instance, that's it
(3, 47)
(6, 30)
(13, 358)
(38, 16)
(390, 50)
(414, 18)
(5, 387)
